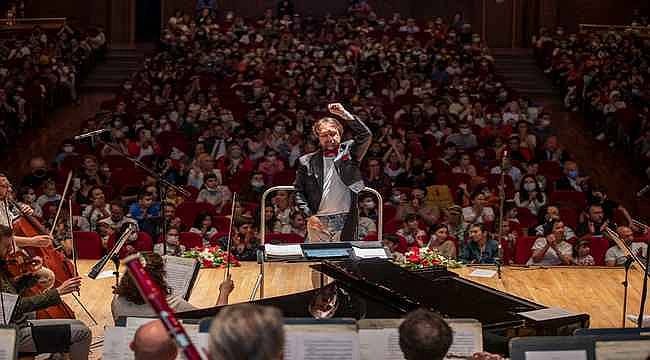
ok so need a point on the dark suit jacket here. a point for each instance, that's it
(310, 177)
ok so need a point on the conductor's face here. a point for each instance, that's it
(329, 137)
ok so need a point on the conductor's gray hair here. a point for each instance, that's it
(247, 331)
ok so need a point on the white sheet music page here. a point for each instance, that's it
(556, 355)
(547, 314)
(116, 344)
(623, 350)
(368, 253)
(283, 250)
(7, 343)
(8, 303)
(468, 337)
(315, 345)
(380, 344)
(179, 274)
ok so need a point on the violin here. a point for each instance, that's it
(20, 263)
(61, 267)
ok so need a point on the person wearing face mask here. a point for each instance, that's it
(174, 247)
(39, 173)
(463, 138)
(214, 192)
(572, 181)
(67, 149)
(530, 195)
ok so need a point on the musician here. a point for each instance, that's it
(615, 256)
(128, 301)
(55, 335)
(7, 215)
(328, 181)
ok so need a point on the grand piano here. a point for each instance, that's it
(377, 288)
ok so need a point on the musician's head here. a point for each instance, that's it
(5, 186)
(152, 341)
(625, 233)
(247, 331)
(329, 132)
(6, 241)
(155, 267)
(423, 335)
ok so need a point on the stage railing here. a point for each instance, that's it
(641, 30)
(380, 209)
(259, 284)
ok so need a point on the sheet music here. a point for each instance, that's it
(314, 345)
(367, 253)
(622, 350)
(7, 343)
(283, 250)
(547, 314)
(116, 345)
(180, 272)
(468, 337)
(484, 273)
(380, 344)
(556, 355)
(7, 309)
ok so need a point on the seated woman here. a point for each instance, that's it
(441, 241)
(552, 249)
(174, 246)
(530, 195)
(128, 301)
(203, 226)
(479, 212)
(480, 249)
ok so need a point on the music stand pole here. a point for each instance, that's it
(644, 293)
(625, 283)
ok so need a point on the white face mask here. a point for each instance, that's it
(530, 186)
(257, 184)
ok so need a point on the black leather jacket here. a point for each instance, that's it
(310, 177)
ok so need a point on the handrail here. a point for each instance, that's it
(32, 21)
(380, 209)
(614, 27)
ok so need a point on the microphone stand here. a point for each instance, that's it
(97, 268)
(162, 184)
(502, 199)
(628, 263)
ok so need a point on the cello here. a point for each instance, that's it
(63, 269)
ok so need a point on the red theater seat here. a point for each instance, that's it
(524, 249)
(89, 245)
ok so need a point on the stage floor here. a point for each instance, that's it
(596, 291)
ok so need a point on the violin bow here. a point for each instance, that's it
(58, 210)
(232, 219)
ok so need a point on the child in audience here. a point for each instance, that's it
(583, 253)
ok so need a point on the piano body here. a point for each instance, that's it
(377, 288)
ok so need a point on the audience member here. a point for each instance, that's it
(552, 249)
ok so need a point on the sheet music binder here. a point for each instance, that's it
(7, 331)
(196, 267)
(195, 275)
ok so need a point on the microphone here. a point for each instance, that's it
(643, 191)
(91, 134)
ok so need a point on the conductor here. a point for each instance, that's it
(329, 180)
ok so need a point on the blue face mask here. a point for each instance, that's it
(573, 174)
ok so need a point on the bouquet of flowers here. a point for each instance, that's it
(421, 258)
(211, 257)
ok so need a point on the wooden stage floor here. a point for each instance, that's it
(595, 291)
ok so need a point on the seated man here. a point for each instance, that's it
(152, 341)
(480, 249)
(594, 223)
(37, 336)
(572, 181)
(615, 256)
(247, 331)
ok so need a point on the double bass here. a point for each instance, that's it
(63, 269)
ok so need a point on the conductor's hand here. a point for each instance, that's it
(69, 286)
(338, 110)
(227, 286)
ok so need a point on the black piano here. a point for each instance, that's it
(377, 288)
